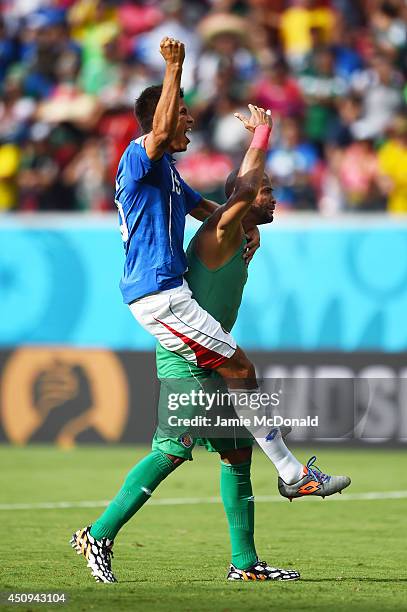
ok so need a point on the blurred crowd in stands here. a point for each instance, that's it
(332, 71)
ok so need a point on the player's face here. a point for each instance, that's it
(180, 141)
(264, 205)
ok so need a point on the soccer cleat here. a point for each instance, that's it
(98, 554)
(313, 482)
(261, 571)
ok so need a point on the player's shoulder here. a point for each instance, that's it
(137, 145)
(140, 141)
(134, 151)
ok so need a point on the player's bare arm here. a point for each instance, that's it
(249, 177)
(167, 113)
(224, 232)
(206, 209)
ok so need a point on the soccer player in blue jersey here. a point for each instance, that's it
(153, 201)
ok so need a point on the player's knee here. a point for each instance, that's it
(236, 456)
(238, 366)
(175, 460)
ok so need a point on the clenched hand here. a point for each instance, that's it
(173, 51)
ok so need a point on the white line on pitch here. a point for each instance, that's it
(189, 501)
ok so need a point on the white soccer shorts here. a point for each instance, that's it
(179, 323)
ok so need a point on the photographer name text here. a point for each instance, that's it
(258, 421)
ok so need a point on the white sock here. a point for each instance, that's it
(287, 466)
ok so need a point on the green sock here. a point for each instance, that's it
(238, 501)
(140, 482)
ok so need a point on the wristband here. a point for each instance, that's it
(261, 137)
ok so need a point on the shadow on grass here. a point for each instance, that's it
(302, 580)
(362, 579)
(181, 581)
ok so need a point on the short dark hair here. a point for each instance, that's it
(145, 105)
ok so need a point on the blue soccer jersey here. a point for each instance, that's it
(152, 200)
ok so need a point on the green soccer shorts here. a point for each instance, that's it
(180, 440)
(183, 445)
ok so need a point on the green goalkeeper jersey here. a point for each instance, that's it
(219, 292)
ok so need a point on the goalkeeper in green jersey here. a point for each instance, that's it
(216, 275)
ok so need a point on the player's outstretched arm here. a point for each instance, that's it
(204, 210)
(167, 112)
(251, 170)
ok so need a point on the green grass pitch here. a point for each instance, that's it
(351, 554)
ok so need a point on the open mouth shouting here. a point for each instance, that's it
(185, 134)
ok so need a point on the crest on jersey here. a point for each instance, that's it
(186, 440)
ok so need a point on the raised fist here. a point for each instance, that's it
(258, 116)
(173, 51)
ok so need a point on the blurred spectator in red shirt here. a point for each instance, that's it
(359, 177)
(276, 89)
(206, 170)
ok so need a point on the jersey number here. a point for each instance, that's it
(123, 227)
(176, 185)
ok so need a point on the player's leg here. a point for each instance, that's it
(238, 502)
(95, 541)
(238, 371)
(138, 486)
(286, 464)
(180, 325)
(295, 479)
